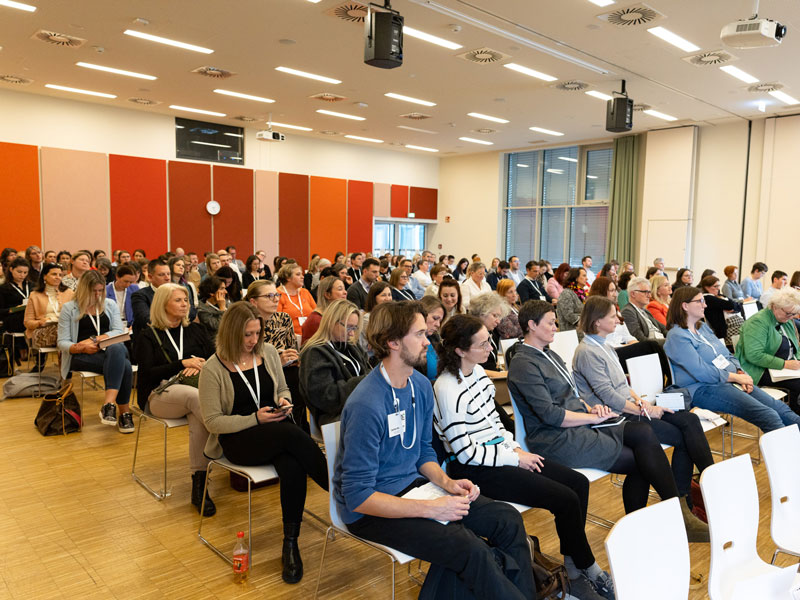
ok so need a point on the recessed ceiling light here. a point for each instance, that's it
(63, 88)
(660, 115)
(210, 144)
(427, 37)
(245, 96)
(197, 110)
(363, 139)
(739, 74)
(784, 97)
(287, 126)
(239, 135)
(307, 75)
(674, 39)
(486, 117)
(115, 71)
(523, 166)
(591, 177)
(545, 131)
(17, 5)
(314, 1)
(531, 72)
(167, 41)
(602, 2)
(423, 148)
(762, 106)
(409, 99)
(556, 171)
(474, 141)
(568, 159)
(338, 114)
(416, 129)
(599, 95)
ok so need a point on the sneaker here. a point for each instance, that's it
(125, 424)
(108, 414)
(604, 585)
(582, 589)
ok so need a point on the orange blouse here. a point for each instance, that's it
(298, 306)
(659, 311)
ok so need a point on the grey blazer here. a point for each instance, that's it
(635, 321)
(568, 310)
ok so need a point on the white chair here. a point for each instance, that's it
(731, 500)
(565, 343)
(330, 435)
(167, 424)
(781, 448)
(749, 309)
(649, 554)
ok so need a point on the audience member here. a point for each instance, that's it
(651, 272)
(14, 294)
(329, 289)
(433, 310)
(295, 300)
(586, 263)
(213, 304)
(751, 286)
(35, 258)
(514, 271)
(490, 309)
(731, 288)
(683, 278)
(44, 308)
(622, 284)
(212, 264)
(500, 273)
(460, 271)
(63, 258)
(80, 262)
(609, 270)
(571, 299)
(450, 295)
(50, 257)
(121, 291)
(779, 279)
(379, 293)
(252, 271)
(355, 266)
(421, 278)
(159, 274)
(399, 284)
(555, 285)
(531, 288)
(718, 307)
(438, 273)
(509, 325)
(178, 274)
(660, 293)
(139, 254)
(475, 283)
(340, 271)
(641, 324)
(103, 266)
(357, 293)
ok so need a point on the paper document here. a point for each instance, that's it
(428, 491)
(710, 416)
(671, 400)
(114, 339)
(781, 374)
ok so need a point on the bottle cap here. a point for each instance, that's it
(240, 534)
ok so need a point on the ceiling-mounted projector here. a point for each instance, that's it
(753, 33)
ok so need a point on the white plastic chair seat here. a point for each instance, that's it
(774, 392)
(565, 343)
(170, 423)
(258, 473)
(781, 448)
(592, 474)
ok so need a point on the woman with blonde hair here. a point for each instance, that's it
(399, 280)
(82, 324)
(332, 363)
(213, 263)
(509, 326)
(475, 283)
(329, 289)
(661, 290)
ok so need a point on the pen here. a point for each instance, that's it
(641, 406)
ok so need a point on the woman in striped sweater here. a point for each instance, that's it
(481, 450)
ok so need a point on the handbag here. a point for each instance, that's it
(178, 378)
(45, 336)
(549, 575)
(59, 413)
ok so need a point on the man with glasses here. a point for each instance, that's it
(641, 324)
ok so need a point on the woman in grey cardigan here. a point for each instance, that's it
(245, 404)
(570, 301)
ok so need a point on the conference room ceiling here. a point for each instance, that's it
(250, 38)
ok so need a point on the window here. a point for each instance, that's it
(406, 239)
(557, 204)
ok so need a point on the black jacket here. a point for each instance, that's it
(532, 290)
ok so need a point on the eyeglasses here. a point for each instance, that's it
(702, 301)
(273, 296)
(483, 345)
(645, 292)
(349, 328)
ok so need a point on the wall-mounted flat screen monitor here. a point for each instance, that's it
(197, 140)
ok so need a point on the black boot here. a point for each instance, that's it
(290, 557)
(198, 484)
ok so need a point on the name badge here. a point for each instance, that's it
(301, 320)
(721, 362)
(397, 423)
(24, 302)
(541, 297)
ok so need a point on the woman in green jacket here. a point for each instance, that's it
(769, 341)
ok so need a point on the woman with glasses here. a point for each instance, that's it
(714, 377)
(641, 324)
(329, 289)
(720, 312)
(769, 341)
(332, 363)
(399, 280)
(570, 301)
(475, 283)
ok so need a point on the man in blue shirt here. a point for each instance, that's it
(385, 451)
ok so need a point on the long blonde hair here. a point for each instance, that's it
(336, 312)
(84, 293)
(158, 309)
(656, 281)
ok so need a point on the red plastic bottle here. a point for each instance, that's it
(241, 559)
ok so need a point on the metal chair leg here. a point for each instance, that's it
(322, 560)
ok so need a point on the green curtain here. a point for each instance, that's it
(621, 234)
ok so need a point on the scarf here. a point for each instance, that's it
(580, 291)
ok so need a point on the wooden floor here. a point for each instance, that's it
(73, 524)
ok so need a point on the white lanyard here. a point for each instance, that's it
(179, 351)
(53, 302)
(791, 346)
(96, 324)
(257, 394)
(122, 304)
(614, 359)
(704, 340)
(356, 366)
(397, 407)
(19, 290)
(479, 405)
(299, 298)
(564, 373)
(493, 351)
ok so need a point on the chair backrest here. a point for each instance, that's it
(519, 424)
(749, 309)
(316, 434)
(646, 376)
(564, 344)
(330, 437)
(731, 498)
(649, 554)
(781, 449)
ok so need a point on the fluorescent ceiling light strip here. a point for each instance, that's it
(674, 39)
(602, 2)
(545, 131)
(322, 111)
(427, 37)
(446, 10)
(556, 171)
(660, 115)
(291, 71)
(409, 99)
(530, 72)
(739, 74)
(287, 126)
(115, 71)
(423, 148)
(474, 141)
(784, 97)
(487, 117)
(18, 5)
(591, 177)
(244, 96)
(167, 41)
(523, 166)
(64, 88)
(363, 139)
(567, 158)
(599, 95)
(239, 135)
(197, 110)
(314, 1)
(417, 129)
(210, 144)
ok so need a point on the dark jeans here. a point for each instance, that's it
(561, 490)
(289, 449)
(113, 363)
(757, 407)
(645, 464)
(790, 386)
(292, 375)
(458, 546)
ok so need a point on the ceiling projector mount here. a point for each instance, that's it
(753, 32)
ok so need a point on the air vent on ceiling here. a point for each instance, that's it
(213, 72)
(765, 87)
(352, 12)
(246, 119)
(415, 116)
(144, 101)
(484, 130)
(14, 80)
(641, 107)
(329, 132)
(635, 15)
(58, 39)
(483, 56)
(328, 97)
(573, 85)
(710, 59)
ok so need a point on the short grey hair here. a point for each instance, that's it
(474, 267)
(786, 298)
(657, 260)
(482, 304)
(636, 282)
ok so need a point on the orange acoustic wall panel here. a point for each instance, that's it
(293, 211)
(423, 202)
(189, 192)
(138, 189)
(359, 216)
(327, 216)
(233, 226)
(21, 225)
(400, 201)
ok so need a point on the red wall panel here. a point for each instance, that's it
(359, 216)
(138, 193)
(21, 225)
(293, 240)
(327, 216)
(423, 202)
(189, 192)
(400, 201)
(233, 226)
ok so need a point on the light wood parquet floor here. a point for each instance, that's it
(73, 524)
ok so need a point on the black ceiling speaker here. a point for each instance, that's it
(619, 112)
(383, 37)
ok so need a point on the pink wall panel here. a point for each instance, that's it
(383, 200)
(75, 200)
(266, 204)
